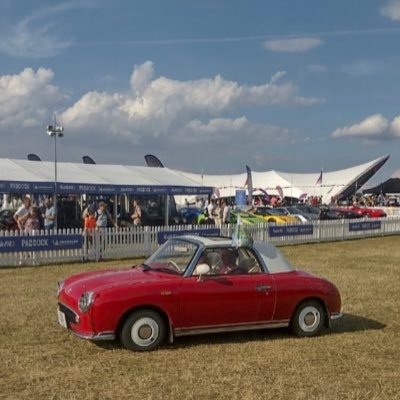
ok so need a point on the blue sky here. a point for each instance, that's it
(213, 85)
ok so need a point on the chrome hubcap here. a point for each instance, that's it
(144, 331)
(309, 319)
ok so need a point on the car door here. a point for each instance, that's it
(228, 299)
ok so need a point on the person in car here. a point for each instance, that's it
(229, 261)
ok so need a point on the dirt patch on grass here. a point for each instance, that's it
(358, 359)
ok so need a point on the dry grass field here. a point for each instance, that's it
(358, 359)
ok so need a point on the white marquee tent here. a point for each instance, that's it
(23, 176)
(339, 184)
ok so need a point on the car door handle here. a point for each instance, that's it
(263, 288)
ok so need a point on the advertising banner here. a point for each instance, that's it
(14, 244)
(163, 236)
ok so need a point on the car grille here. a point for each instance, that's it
(70, 316)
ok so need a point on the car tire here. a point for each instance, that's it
(143, 330)
(308, 318)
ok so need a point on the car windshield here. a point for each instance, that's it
(294, 210)
(278, 211)
(172, 257)
(263, 211)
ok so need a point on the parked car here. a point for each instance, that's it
(338, 213)
(190, 215)
(367, 212)
(7, 221)
(246, 217)
(193, 285)
(274, 215)
(393, 202)
(301, 214)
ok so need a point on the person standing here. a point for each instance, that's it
(217, 213)
(137, 213)
(22, 214)
(226, 212)
(104, 217)
(32, 221)
(49, 215)
(210, 208)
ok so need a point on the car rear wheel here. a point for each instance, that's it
(144, 330)
(308, 319)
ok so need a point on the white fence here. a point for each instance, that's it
(142, 241)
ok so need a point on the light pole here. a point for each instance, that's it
(54, 131)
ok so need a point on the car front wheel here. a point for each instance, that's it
(144, 330)
(308, 319)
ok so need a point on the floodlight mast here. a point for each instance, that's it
(54, 131)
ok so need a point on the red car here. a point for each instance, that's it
(193, 285)
(367, 212)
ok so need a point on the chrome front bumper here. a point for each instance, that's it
(102, 336)
(336, 316)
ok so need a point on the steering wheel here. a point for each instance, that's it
(174, 264)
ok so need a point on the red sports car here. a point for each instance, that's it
(368, 212)
(193, 285)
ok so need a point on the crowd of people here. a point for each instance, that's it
(31, 216)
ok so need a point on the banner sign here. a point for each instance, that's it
(240, 199)
(83, 188)
(290, 230)
(364, 226)
(163, 236)
(12, 244)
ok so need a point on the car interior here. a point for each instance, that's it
(229, 261)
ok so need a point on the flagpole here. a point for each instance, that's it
(291, 190)
(322, 171)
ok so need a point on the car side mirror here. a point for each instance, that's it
(202, 269)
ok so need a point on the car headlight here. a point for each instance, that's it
(85, 301)
(60, 285)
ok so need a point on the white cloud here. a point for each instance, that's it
(277, 76)
(33, 36)
(363, 68)
(141, 77)
(292, 45)
(158, 106)
(153, 114)
(226, 130)
(373, 128)
(391, 10)
(28, 99)
(317, 68)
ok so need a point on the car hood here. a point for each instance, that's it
(99, 280)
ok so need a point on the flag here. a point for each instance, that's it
(249, 184)
(266, 195)
(319, 180)
(217, 193)
(280, 191)
(153, 161)
(241, 236)
(303, 196)
(33, 157)
(88, 160)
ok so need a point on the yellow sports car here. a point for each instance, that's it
(274, 216)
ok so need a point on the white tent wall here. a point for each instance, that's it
(292, 184)
(20, 174)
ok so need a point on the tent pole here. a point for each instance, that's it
(166, 210)
(116, 208)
